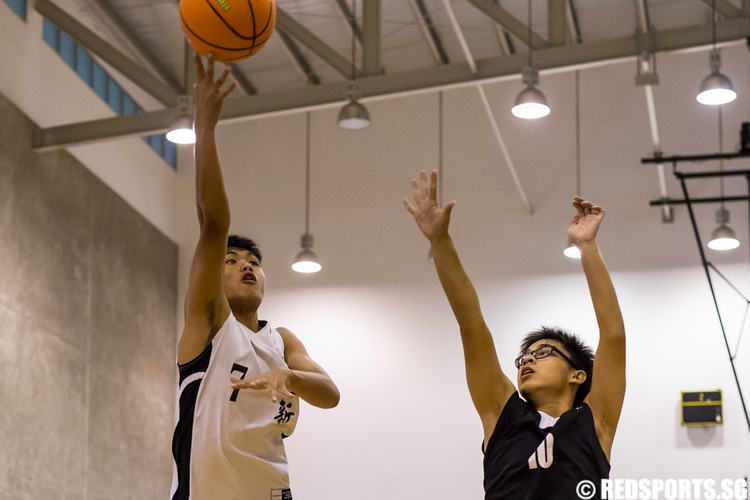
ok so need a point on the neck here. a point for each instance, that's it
(248, 318)
(554, 410)
(552, 405)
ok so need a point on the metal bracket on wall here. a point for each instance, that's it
(688, 201)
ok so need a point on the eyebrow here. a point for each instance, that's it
(250, 255)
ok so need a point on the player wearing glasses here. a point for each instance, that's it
(542, 445)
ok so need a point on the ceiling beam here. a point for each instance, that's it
(410, 82)
(245, 84)
(725, 8)
(508, 22)
(290, 26)
(164, 93)
(151, 122)
(148, 56)
(573, 26)
(556, 22)
(371, 38)
(298, 58)
(503, 38)
(346, 14)
(429, 31)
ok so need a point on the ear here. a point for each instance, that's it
(578, 377)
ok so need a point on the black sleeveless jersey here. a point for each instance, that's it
(524, 462)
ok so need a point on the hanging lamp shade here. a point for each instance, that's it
(306, 261)
(723, 238)
(530, 104)
(571, 251)
(354, 116)
(716, 88)
(181, 131)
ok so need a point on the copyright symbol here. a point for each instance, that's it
(585, 490)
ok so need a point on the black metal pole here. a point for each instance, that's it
(713, 295)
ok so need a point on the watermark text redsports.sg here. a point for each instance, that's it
(667, 489)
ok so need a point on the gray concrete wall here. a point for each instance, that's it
(87, 332)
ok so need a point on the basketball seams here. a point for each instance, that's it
(258, 40)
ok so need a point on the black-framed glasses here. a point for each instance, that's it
(543, 351)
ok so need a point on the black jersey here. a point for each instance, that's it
(525, 462)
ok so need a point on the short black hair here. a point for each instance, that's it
(235, 241)
(581, 354)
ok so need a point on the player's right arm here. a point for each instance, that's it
(489, 387)
(206, 306)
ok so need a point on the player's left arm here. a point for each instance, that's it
(608, 382)
(303, 377)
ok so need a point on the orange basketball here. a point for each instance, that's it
(231, 29)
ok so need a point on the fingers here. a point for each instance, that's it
(409, 207)
(210, 65)
(228, 90)
(224, 74)
(198, 64)
(277, 389)
(585, 207)
(206, 73)
(432, 194)
(415, 191)
(447, 211)
(422, 190)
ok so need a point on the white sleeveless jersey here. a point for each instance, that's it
(227, 444)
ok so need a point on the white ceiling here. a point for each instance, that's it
(360, 177)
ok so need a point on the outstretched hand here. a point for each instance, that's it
(276, 381)
(209, 94)
(432, 220)
(585, 223)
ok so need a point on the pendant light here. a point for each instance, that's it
(181, 130)
(354, 115)
(307, 261)
(723, 238)
(571, 251)
(716, 88)
(530, 103)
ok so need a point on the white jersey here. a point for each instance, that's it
(227, 443)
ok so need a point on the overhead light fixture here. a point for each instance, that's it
(307, 261)
(181, 130)
(716, 88)
(723, 238)
(530, 103)
(354, 115)
(571, 251)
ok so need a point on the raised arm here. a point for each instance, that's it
(206, 307)
(489, 387)
(608, 381)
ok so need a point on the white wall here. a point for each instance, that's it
(405, 427)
